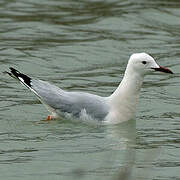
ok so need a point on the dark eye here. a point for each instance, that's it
(144, 62)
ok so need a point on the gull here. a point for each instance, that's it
(120, 106)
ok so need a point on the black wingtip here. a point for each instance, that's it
(12, 69)
(21, 77)
(14, 72)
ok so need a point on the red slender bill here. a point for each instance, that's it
(163, 69)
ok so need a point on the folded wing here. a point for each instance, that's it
(60, 101)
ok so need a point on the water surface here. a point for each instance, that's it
(85, 45)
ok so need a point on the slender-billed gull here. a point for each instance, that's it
(118, 107)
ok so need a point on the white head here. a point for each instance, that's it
(125, 97)
(143, 64)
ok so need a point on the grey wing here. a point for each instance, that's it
(62, 101)
(70, 102)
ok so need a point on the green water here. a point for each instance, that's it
(85, 45)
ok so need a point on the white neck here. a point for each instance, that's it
(124, 99)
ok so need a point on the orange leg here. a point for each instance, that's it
(49, 118)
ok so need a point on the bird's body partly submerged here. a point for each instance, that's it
(118, 107)
(64, 103)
